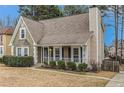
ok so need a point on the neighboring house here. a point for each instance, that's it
(5, 37)
(77, 38)
(112, 49)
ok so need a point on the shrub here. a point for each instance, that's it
(1, 60)
(52, 64)
(71, 65)
(82, 66)
(14, 61)
(61, 64)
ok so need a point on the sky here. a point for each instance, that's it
(12, 11)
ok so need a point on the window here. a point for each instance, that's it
(22, 33)
(25, 51)
(1, 38)
(57, 53)
(19, 51)
(1, 50)
(75, 54)
(22, 51)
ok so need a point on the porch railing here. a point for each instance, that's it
(46, 59)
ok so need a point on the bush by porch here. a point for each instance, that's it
(18, 61)
(72, 66)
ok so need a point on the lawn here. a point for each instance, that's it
(29, 77)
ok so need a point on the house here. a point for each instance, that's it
(111, 49)
(5, 37)
(77, 38)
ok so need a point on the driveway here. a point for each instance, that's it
(30, 77)
(117, 81)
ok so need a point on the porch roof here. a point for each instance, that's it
(64, 30)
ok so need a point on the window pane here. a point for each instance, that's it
(22, 33)
(57, 53)
(75, 54)
(1, 50)
(25, 52)
(19, 51)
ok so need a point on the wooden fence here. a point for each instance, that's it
(108, 65)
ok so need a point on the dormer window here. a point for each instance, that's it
(22, 33)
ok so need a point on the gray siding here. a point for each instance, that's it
(28, 42)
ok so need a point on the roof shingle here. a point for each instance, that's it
(64, 30)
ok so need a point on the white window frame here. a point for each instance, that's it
(60, 52)
(22, 51)
(72, 53)
(24, 29)
(2, 50)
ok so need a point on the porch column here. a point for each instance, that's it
(82, 54)
(79, 54)
(48, 55)
(43, 53)
(12, 50)
(72, 59)
(35, 55)
(53, 53)
(60, 49)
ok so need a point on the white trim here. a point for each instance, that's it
(97, 35)
(60, 52)
(16, 30)
(79, 53)
(72, 52)
(48, 55)
(29, 31)
(43, 54)
(57, 45)
(60, 49)
(22, 52)
(35, 55)
(2, 47)
(53, 53)
(12, 50)
(20, 31)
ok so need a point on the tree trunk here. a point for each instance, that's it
(116, 31)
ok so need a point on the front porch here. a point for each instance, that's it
(66, 53)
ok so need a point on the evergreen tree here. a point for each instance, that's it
(75, 9)
(40, 12)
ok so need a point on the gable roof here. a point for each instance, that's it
(64, 30)
(35, 28)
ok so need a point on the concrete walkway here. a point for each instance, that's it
(117, 80)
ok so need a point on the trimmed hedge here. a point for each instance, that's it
(52, 64)
(82, 66)
(61, 64)
(18, 61)
(71, 65)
